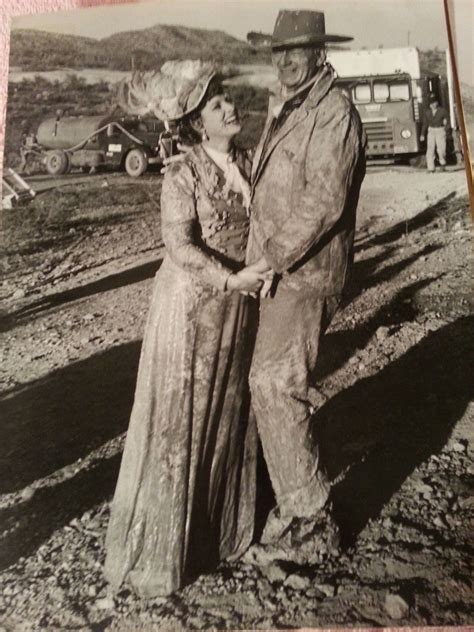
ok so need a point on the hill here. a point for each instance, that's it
(39, 50)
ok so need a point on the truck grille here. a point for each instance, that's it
(379, 131)
(379, 138)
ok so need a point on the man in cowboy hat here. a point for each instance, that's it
(307, 173)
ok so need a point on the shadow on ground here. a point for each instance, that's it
(136, 274)
(384, 426)
(32, 523)
(63, 417)
(405, 228)
(337, 347)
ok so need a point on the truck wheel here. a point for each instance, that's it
(136, 163)
(57, 162)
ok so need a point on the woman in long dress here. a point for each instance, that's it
(185, 496)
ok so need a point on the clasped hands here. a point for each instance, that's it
(255, 279)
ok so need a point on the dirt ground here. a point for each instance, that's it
(396, 429)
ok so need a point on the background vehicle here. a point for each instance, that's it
(95, 141)
(391, 93)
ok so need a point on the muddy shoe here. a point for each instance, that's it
(276, 527)
(307, 541)
(313, 539)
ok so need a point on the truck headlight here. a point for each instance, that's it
(405, 133)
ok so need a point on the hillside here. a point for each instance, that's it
(39, 50)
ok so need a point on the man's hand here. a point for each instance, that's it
(266, 287)
(170, 160)
(247, 280)
(259, 266)
(422, 138)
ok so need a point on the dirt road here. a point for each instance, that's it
(396, 370)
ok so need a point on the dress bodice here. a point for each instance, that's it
(223, 218)
(204, 224)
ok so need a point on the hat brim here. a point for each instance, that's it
(309, 40)
(199, 99)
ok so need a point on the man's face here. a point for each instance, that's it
(434, 105)
(296, 65)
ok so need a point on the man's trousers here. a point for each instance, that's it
(436, 142)
(284, 400)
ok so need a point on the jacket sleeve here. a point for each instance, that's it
(323, 172)
(424, 126)
(180, 228)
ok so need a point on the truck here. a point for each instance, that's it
(90, 142)
(390, 92)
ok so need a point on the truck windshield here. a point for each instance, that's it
(399, 91)
(361, 93)
(393, 91)
(381, 92)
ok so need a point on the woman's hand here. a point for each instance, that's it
(247, 280)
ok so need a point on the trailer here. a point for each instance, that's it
(92, 142)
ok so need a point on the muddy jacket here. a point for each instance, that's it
(305, 181)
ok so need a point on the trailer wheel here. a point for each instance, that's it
(57, 162)
(136, 163)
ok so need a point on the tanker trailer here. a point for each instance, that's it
(131, 143)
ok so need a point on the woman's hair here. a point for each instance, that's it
(187, 126)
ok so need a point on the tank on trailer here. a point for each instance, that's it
(69, 131)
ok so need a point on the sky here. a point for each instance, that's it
(372, 23)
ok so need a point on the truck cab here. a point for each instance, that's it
(390, 93)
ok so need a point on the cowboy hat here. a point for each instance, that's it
(302, 28)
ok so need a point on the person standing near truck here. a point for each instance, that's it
(435, 122)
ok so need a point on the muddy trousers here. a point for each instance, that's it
(284, 401)
(436, 142)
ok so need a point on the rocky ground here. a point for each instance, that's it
(396, 372)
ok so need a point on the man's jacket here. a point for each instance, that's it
(306, 180)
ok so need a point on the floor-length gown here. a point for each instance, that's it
(185, 496)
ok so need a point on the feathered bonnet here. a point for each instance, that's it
(170, 93)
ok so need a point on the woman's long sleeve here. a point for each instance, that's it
(179, 224)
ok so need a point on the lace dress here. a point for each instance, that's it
(185, 496)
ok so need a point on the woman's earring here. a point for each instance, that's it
(204, 135)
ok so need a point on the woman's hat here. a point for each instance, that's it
(171, 93)
(302, 28)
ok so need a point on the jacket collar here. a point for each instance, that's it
(323, 81)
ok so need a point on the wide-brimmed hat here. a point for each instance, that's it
(171, 93)
(302, 28)
(433, 98)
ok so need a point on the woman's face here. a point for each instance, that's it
(220, 118)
